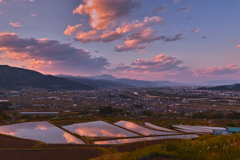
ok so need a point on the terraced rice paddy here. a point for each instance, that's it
(130, 140)
(139, 129)
(99, 132)
(99, 129)
(196, 129)
(158, 127)
(41, 131)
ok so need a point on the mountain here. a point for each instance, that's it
(107, 81)
(98, 83)
(220, 83)
(142, 83)
(233, 87)
(236, 87)
(105, 77)
(13, 77)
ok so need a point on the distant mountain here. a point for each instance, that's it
(220, 83)
(141, 83)
(98, 83)
(107, 81)
(234, 87)
(105, 77)
(12, 77)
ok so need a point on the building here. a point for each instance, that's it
(233, 129)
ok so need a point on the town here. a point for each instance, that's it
(174, 104)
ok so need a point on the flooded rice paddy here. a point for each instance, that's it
(41, 131)
(98, 129)
(131, 140)
(139, 129)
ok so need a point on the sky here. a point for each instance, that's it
(176, 40)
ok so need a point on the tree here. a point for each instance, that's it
(192, 123)
(106, 110)
(183, 122)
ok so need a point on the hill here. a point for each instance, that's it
(107, 81)
(98, 83)
(13, 77)
(234, 87)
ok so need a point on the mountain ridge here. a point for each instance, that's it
(11, 77)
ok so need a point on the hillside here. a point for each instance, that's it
(234, 87)
(98, 83)
(12, 77)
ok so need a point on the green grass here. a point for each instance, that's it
(202, 148)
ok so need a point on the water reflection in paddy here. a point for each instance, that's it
(42, 131)
(130, 140)
(158, 127)
(140, 129)
(98, 129)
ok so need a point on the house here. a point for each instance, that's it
(220, 132)
(233, 129)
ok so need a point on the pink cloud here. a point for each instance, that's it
(33, 15)
(139, 40)
(195, 30)
(50, 54)
(217, 71)
(175, 2)
(86, 37)
(104, 13)
(15, 25)
(158, 63)
(232, 40)
(71, 29)
(238, 46)
(109, 36)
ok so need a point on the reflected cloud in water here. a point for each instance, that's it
(42, 131)
(140, 129)
(98, 129)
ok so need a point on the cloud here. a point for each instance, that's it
(118, 33)
(71, 29)
(189, 18)
(232, 40)
(50, 54)
(3, 56)
(195, 30)
(0, 12)
(175, 2)
(204, 36)
(86, 37)
(159, 8)
(33, 15)
(139, 40)
(238, 46)
(159, 63)
(183, 9)
(15, 25)
(217, 71)
(104, 13)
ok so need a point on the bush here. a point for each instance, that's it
(171, 146)
(183, 122)
(192, 123)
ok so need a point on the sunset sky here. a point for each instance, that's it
(175, 40)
